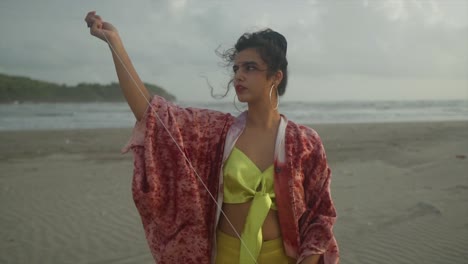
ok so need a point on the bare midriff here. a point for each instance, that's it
(237, 213)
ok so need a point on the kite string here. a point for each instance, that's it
(177, 145)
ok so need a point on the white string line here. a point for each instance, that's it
(178, 147)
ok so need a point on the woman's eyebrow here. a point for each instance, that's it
(246, 63)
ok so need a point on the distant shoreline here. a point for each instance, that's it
(17, 102)
(117, 114)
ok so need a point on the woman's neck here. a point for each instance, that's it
(263, 117)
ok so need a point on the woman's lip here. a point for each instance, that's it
(240, 88)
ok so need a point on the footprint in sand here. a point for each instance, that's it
(419, 210)
(457, 188)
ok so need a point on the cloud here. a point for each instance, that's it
(386, 38)
(173, 42)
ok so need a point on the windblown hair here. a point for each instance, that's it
(272, 48)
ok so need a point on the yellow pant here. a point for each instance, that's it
(272, 251)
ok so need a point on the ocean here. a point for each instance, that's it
(45, 116)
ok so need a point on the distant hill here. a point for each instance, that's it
(23, 89)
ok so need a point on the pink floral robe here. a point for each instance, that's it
(180, 216)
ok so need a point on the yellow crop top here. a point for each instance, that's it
(243, 181)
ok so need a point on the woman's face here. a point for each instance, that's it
(250, 77)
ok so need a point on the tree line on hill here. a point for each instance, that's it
(24, 89)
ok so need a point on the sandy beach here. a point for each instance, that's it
(401, 191)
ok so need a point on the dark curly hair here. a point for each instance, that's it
(272, 48)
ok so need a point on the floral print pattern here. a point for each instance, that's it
(175, 197)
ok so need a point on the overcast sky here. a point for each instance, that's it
(337, 49)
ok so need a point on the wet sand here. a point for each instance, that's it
(401, 191)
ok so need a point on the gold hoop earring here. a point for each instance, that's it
(277, 97)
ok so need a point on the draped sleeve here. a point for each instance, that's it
(172, 193)
(316, 222)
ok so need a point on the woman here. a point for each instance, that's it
(211, 187)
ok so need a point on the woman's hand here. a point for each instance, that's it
(100, 29)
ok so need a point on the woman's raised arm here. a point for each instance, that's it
(135, 92)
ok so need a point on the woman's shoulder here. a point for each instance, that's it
(303, 132)
(305, 140)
